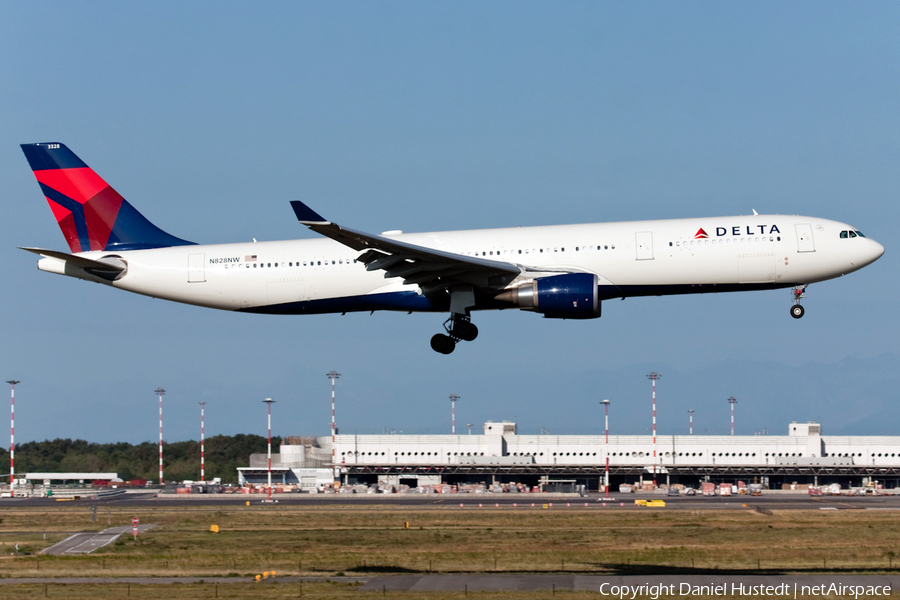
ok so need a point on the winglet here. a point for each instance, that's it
(306, 215)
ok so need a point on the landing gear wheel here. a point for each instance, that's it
(465, 331)
(442, 343)
(797, 311)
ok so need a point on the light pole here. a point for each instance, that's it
(605, 403)
(269, 403)
(469, 425)
(12, 432)
(691, 421)
(732, 401)
(453, 399)
(202, 457)
(653, 376)
(160, 392)
(332, 376)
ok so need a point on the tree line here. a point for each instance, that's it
(181, 460)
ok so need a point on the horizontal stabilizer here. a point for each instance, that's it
(115, 265)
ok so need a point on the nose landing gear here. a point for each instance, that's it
(458, 327)
(797, 294)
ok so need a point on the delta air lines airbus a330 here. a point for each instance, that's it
(559, 271)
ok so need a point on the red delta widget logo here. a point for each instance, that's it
(738, 230)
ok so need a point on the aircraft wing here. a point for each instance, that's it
(430, 269)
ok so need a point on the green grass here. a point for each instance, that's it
(363, 541)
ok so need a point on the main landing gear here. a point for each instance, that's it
(458, 327)
(797, 294)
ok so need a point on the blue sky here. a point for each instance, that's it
(211, 117)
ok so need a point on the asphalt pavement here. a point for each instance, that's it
(774, 501)
(88, 541)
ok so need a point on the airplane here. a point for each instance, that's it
(558, 271)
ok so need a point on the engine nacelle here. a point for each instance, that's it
(570, 296)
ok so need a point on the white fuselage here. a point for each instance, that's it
(629, 258)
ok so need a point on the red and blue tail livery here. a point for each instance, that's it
(90, 213)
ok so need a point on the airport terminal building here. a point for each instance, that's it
(501, 455)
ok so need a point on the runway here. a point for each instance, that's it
(482, 501)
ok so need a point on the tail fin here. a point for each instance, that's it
(91, 215)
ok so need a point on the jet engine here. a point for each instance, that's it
(570, 296)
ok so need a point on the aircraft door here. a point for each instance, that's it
(805, 242)
(196, 268)
(643, 241)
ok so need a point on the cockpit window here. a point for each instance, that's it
(844, 235)
(860, 234)
(853, 234)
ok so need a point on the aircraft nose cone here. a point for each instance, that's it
(876, 251)
(866, 252)
(879, 250)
